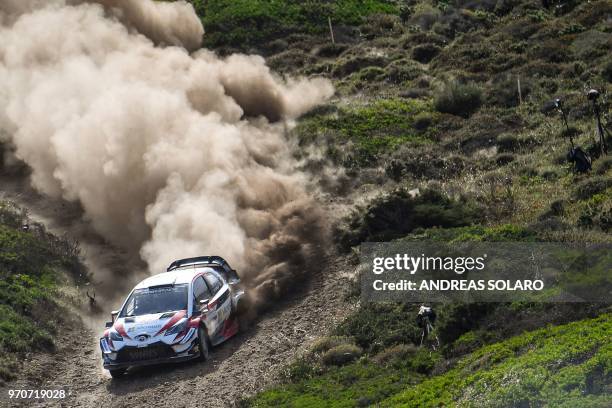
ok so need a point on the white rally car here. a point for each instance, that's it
(174, 316)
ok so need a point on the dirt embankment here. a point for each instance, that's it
(240, 367)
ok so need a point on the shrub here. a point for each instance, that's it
(458, 99)
(504, 158)
(504, 92)
(455, 319)
(425, 16)
(507, 142)
(370, 74)
(403, 70)
(603, 165)
(425, 52)
(300, 370)
(350, 64)
(341, 355)
(398, 213)
(589, 187)
(597, 212)
(324, 344)
(423, 120)
(606, 72)
(380, 25)
(247, 23)
(397, 352)
(377, 326)
(331, 50)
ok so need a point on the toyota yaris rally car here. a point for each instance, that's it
(174, 316)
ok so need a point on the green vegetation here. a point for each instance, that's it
(244, 23)
(500, 233)
(445, 107)
(399, 213)
(30, 261)
(567, 365)
(459, 99)
(373, 129)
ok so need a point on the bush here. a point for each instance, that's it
(393, 353)
(504, 92)
(398, 213)
(324, 344)
(253, 23)
(504, 158)
(300, 370)
(341, 355)
(507, 142)
(606, 72)
(371, 74)
(425, 52)
(455, 319)
(589, 187)
(603, 165)
(403, 70)
(423, 120)
(347, 65)
(458, 99)
(377, 326)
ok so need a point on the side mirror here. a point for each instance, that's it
(114, 315)
(108, 324)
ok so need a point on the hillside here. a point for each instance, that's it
(427, 99)
(34, 267)
(441, 128)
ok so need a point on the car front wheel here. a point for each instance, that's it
(118, 372)
(203, 344)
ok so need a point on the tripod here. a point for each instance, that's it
(601, 130)
(428, 330)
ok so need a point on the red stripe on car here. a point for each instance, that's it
(121, 330)
(177, 316)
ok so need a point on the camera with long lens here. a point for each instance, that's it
(592, 95)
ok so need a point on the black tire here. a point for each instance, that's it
(242, 316)
(203, 344)
(117, 372)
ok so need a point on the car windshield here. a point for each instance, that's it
(157, 299)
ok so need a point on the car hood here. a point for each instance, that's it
(151, 324)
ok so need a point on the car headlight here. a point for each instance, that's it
(114, 336)
(177, 328)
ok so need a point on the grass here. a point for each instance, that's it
(398, 213)
(567, 365)
(30, 269)
(504, 156)
(246, 23)
(379, 127)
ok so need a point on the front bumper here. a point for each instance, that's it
(163, 360)
(153, 354)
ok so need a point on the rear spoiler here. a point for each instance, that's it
(216, 262)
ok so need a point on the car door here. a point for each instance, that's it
(200, 292)
(220, 305)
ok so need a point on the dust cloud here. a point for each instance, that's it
(171, 154)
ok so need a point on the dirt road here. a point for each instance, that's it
(240, 367)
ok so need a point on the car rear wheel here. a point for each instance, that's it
(203, 344)
(242, 316)
(118, 372)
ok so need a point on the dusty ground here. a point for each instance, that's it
(237, 368)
